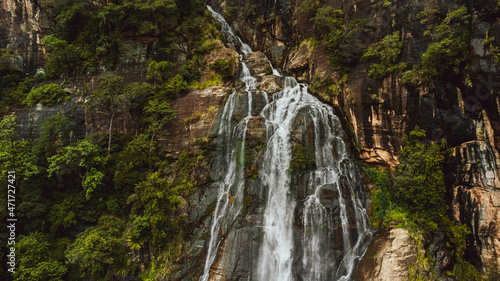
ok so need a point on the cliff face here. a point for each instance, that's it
(22, 27)
(380, 111)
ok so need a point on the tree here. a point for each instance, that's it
(419, 179)
(157, 115)
(159, 72)
(383, 57)
(35, 262)
(110, 96)
(15, 154)
(51, 140)
(82, 158)
(157, 200)
(48, 94)
(135, 160)
(63, 58)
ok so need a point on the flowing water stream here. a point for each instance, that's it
(319, 235)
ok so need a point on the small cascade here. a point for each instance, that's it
(225, 28)
(245, 48)
(303, 212)
(246, 77)
(275, 71)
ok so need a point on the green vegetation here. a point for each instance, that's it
(35, 261)
(100, 251)
(423, 268)
(90, 208)
(110, 96)
(158, 114)
(224, 68)
(78, 184)
(384, 56)
(115, 190)
(340, 37)
(415, 200)
(415, 196)
(303, 159)
(447, 58)
(82, 158)
(326, 87)
(89, 34)
(48, 94)
(64, 58)
(493, 49)
(419, 179)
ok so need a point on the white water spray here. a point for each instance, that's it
(334, 171)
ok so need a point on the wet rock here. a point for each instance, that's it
(270, 84)
(441, 253)
(476, 199)
(259, 101)
(225, 54)
(256, 132)
(258, 64)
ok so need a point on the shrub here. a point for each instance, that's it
(447, 57)
(63, 57)
(48, 94)
(419, 178)
(464, 271)
(35, 262)
(223, 67)
(342, 39)
(384, 56)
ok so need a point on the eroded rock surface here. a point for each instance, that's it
(389, 257)
(196, 118)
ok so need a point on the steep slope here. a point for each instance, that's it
(378, 67)
(459, 102)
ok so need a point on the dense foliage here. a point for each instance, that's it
(48, 94)
(446, 58)
(415, 199)
(87, 205)
(384, 56)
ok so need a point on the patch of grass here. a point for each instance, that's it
(214, 80)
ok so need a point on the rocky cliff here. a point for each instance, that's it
(376, 113)
(464, 111)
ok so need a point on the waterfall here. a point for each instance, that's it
(301, 219)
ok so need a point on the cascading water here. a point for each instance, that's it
(299, 233)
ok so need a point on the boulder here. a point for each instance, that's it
(270, 84)
(389, 257)
(258, 63)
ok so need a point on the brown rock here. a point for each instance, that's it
(257, 63)
(225, 54)
(389, 257)
(270, 84)
(196, 114)
(256, 131)
(300, 61)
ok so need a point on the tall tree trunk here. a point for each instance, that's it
(110, 127)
